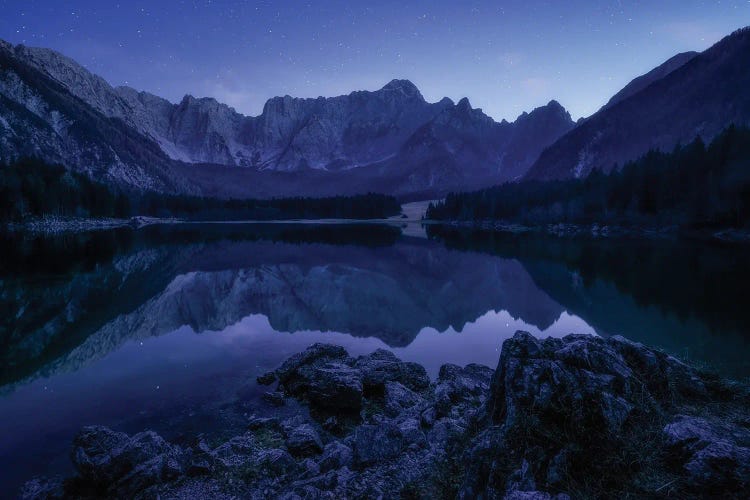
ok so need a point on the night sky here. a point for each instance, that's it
(507, 57)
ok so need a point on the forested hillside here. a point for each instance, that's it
(31, 188)
(693, 186)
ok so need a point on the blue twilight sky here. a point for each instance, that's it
(506, 56)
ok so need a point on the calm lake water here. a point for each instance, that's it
(167, 327)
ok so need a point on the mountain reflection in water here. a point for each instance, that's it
(168, 327)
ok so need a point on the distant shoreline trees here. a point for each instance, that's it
(692, 186)
(32, 188)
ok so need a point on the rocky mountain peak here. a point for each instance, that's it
(463, 105)
(551, 111)
(403, 87)
(365, 138)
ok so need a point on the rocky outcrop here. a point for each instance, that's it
(559, 418)
(582, 414)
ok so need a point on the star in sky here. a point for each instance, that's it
(507, 57)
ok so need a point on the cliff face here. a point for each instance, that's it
(559, 418)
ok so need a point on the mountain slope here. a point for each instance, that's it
(39, 117)
(643, 81)
(701, 97)
(390, 140)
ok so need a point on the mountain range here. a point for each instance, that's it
(389, 140)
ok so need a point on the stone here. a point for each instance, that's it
(332, 424)
(235, 452)
(412, 433)
(383, 366)
(315, 354)
(43, 488)
(335, 456)
(398, 398)
(101, 455)
(377, 443)
(709, 454)
(201, 461)
(274, 398)
(304, 441)
(534, 495)
(460, 388)
(257, 423)
(336, 387)
(266, 379)
(428, 416)
(275, 463)
(162, 468)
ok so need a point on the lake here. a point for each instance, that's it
(168, 326)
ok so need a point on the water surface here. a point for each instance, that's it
(167, 328)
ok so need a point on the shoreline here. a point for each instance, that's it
(61, 225)
(335, 426)
(564, 230)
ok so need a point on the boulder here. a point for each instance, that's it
(103, 456)
(580, 381)
(315, 355)
(377, 443)
(235, 452)
(43, 488)
(304, 441)
(266, 379)
(555, 404)
(383, 366)
(412, 433)
(274, 398)
(398, 398)
(269, 423)
(335, 456)
(709, 454)
(274, 463)
(335, 387)
(458, 387)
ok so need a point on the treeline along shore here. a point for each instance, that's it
(693, 187)
(30, 188)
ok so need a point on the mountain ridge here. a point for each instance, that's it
(354, 143)
(708, 93)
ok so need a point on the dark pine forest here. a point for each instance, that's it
(31, 188)
(695, 186)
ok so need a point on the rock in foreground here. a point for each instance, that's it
(580, 416)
